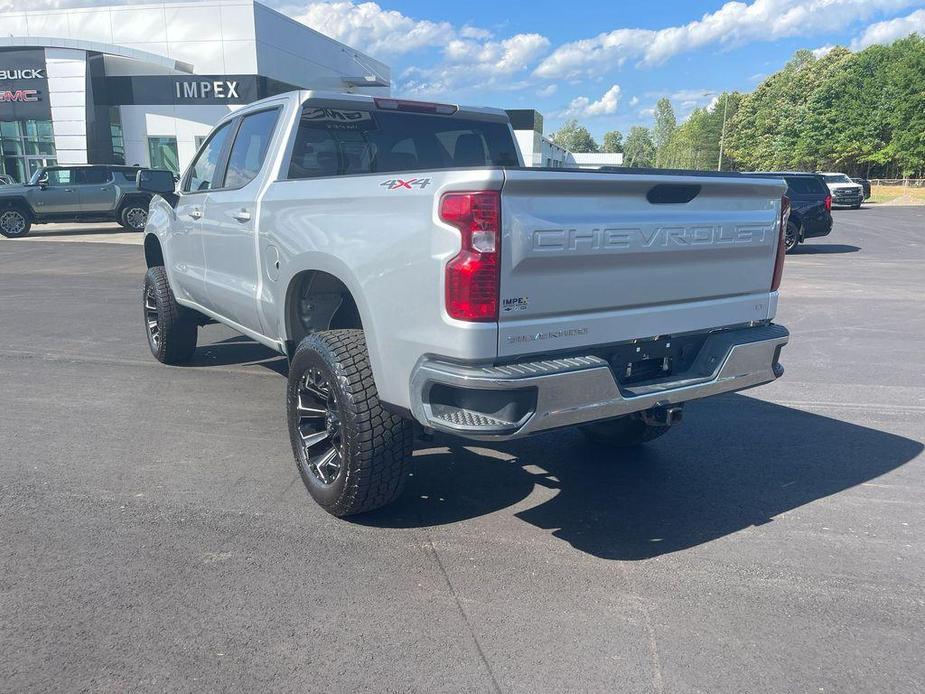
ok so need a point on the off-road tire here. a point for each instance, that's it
(622, 432)
(132, 214)
(792, 236)
(23, 222)
(375, 445)
(174, 341)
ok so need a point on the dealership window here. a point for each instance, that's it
(116, 135)
(25, 147)
(162, 153)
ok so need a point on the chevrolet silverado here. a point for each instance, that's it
(417, 275)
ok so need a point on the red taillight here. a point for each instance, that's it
(472, 275)
(781, 243)
(828, 203)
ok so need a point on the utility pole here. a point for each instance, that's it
(722, 137)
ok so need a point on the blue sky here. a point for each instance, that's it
(605, 63)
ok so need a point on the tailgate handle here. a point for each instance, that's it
(672, 193)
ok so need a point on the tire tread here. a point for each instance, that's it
(379, 443)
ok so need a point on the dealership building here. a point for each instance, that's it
(145, 83)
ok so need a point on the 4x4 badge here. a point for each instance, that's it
(398, 183)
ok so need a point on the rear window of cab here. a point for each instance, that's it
(338, 142)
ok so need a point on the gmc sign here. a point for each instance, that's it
(22, 95)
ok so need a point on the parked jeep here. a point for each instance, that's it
(86, 193)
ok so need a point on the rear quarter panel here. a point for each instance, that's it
(386, 244)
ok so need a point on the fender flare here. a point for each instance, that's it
(19, 203)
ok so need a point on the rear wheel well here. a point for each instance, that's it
(154, 255)
(318, 301)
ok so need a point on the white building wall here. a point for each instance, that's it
(67, 93)
(527, 141)
(204, 37)
(182, 122)
(552, 155)
(595, 160)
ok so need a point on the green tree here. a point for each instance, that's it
(574, 137)
(613, 142)
(695, 143)
(665, 126)
(639, 149)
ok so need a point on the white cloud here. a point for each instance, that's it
(471, 32)
(583, 107)
(547, 91)
(890, 30)
(823, 51)
(634, 101)
(507, 56)
(734, 23)
(370, 28)
(471, 56)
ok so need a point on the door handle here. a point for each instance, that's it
(242, 215)
(195, 213)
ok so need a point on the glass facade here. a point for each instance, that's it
(162, 153)
(25, 146)
(115, 134)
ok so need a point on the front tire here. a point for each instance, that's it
(350, 452)
(622, 432)
(134, 216)
(172, 329)
(14, 223)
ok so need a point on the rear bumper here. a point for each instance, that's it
(510, 401)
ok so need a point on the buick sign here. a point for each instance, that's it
(24, 74)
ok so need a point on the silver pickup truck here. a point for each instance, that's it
(415, 273)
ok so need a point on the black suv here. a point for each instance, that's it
(810, 205)
(87, 193)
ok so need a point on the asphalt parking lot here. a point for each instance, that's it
(156, 536)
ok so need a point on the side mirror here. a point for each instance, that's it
(43, 182)
(155, 181)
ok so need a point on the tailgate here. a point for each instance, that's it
(593, 258)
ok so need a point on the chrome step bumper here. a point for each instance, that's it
(509, 401)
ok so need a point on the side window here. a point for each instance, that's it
(60, 177)
(93, 176)
(202, 173)
(250, 148)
